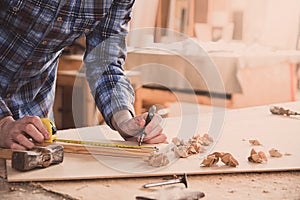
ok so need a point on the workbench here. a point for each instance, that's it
(242, 76)
(277, 179)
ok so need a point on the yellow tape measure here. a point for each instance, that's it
(103, 144)
(51, 128)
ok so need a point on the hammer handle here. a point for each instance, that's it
(5, 153)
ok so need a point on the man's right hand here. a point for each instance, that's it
(15, 134)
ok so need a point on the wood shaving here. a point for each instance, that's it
(275, 153)
(257, 157)
(255, 142)
(157, 159)
(179, 149)
(206, 139)
(210, 160)
(214, 158)
(229, 160)
(194, 145)
(263, 156)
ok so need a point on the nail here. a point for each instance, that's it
(183, 180)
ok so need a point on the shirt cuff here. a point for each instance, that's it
(4, 110)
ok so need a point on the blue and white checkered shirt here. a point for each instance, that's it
(34, 32)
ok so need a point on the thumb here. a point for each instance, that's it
(141, 119)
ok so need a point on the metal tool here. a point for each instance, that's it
(38, 157)
(183, 180)
(281, 111)
(150, 115)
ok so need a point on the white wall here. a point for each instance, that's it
(273, 23)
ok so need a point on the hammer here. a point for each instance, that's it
(38, 157)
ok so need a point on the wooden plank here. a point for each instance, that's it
(107, 151)
(231, 135)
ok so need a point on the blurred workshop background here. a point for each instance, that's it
(189, 55)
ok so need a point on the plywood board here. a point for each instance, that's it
(231, 130)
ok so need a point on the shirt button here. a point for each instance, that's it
(29, 63)
(15, 9)
(59, 19)
(8, 95)
(44, 42)
(86, 30)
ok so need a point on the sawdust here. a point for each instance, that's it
(24, 191)
(273, 185)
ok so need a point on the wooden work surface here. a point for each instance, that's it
(236, 128)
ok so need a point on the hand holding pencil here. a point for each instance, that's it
(144, 128)
(150, 115)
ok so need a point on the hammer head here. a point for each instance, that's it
(37, 157)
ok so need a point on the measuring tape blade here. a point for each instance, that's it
(103, 144)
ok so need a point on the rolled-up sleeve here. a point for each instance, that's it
(104, 59)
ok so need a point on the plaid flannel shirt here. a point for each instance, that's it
(34, 32)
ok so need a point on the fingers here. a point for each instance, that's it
(154, 127)
(141, 119)
(154, 131)
(15, 134)
(16, 146)
(23, 141)
(161, 138)
(131, 129)
(34, 127)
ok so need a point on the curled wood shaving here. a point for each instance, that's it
(157, 159)
(177, 141)
(205, 139)
(181, 151)
(179, 148)
(255, 142)
(226, 158)
(275, 153)
(210, 160)
(263, 156)
(229, 160)
(257, 157)
(194, 145)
